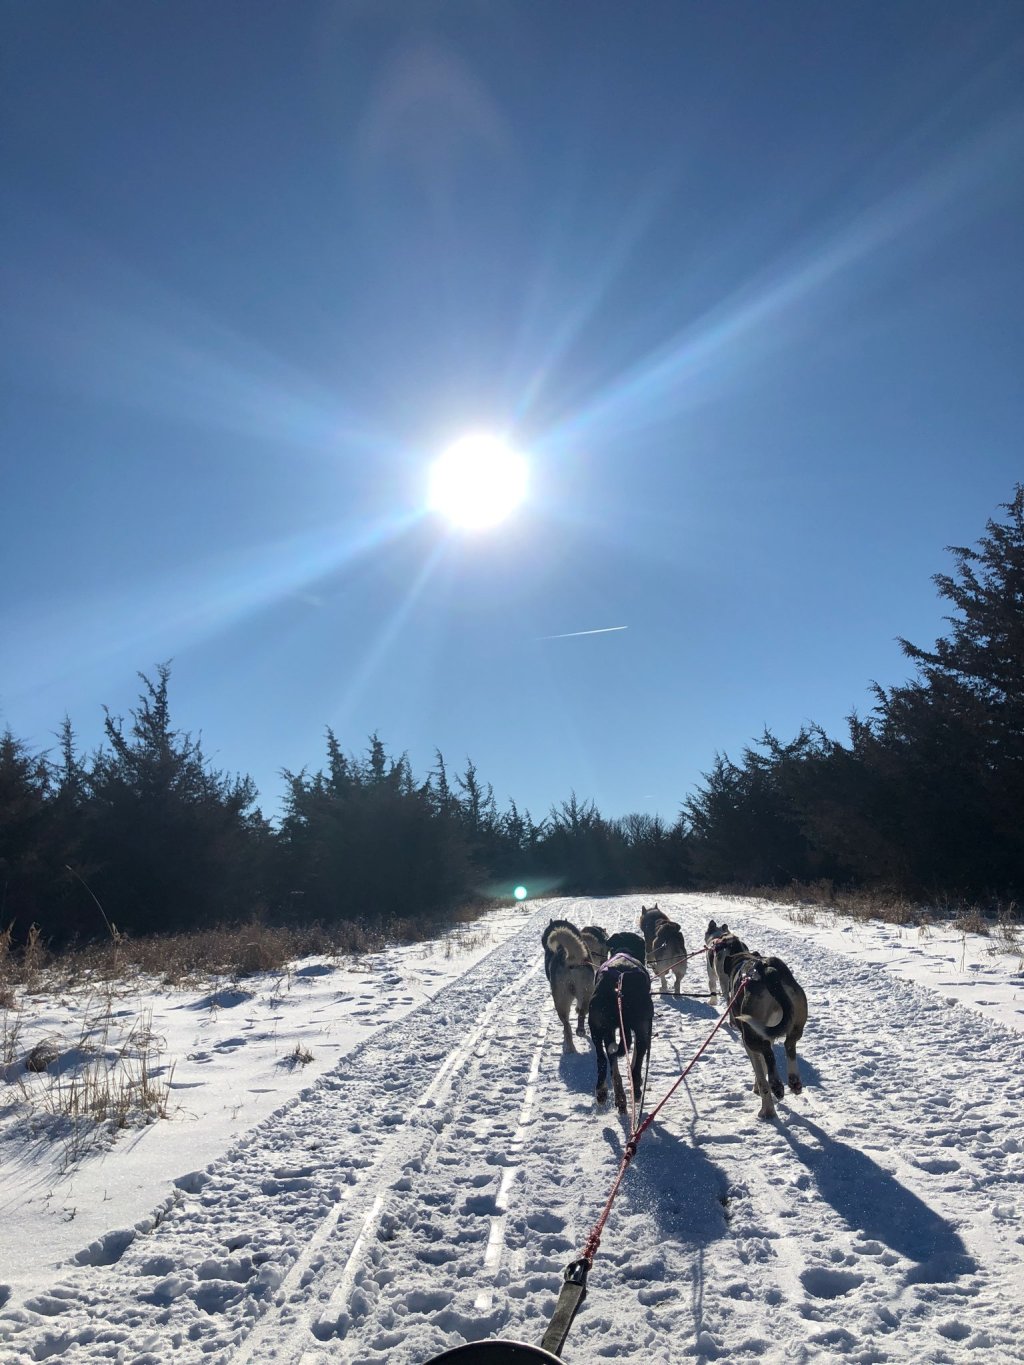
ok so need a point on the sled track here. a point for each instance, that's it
(265, 1247)
(285, 1330)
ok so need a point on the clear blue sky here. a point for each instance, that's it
(743, 279)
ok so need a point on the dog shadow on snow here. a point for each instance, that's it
(670, 1176)
(672, 1179)
(867, 1197)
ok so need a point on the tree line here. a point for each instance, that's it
(924, 796)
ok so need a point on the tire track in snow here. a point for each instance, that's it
(205, 1298)
(322, 1321)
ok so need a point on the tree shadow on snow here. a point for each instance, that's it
(869, 1198)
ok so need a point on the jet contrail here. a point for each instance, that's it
(571, 634)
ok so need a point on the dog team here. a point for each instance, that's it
(608, 981)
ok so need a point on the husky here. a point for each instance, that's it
(626, 942)
(717, 942)
(635, 1028)
(650, 918)
(768, 1004)
(549, 952)
(668, 953)
(597, 943)
(571, 974)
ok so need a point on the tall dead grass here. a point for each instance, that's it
(1002, 920)
(179, 959)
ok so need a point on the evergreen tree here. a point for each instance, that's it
(173, 842)
(24, 791)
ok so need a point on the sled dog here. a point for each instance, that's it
(612, 1040)
(571, 974)
(626, 942)
(549, 951)
(770, 1005)
(668, 954)
(597, 943)
(717, 942)
(650, 918)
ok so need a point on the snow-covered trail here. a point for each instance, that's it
(432, 1188)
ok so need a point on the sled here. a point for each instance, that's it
(495, 1353)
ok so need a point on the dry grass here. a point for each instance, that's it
(181, 959)
(82, 1091)
(1002, 921)
(299, 1056)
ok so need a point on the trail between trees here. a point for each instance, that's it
(434, 1185)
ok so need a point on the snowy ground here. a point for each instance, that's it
(430, 1183)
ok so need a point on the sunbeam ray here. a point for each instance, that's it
(373, 656)
(703, 357)
(196, 604)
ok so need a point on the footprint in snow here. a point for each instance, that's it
(830, 1284)
(106, 1250)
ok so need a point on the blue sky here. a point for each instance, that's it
(744, 281)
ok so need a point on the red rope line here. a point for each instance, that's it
(629, 1151)
(671, 967)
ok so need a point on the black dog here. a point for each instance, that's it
(626, 942)
(637, 1019)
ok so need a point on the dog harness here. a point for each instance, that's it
(622, 962)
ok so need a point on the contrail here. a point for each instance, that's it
(571, 634)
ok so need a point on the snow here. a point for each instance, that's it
(424, 1179)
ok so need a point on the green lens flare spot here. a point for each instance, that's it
(520, 893)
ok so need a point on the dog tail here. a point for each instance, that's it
(775, 1016)
(768, 1027)
(569, 946)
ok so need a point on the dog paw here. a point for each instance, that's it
(602, 1094)
(778, 1089)
(796, 1084)
(765, 1114)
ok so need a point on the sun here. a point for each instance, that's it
(478, 482)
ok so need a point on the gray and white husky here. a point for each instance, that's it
(571, 974)
(769, 1005)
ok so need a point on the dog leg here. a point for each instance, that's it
(753, 1046)
(620, 1093)
(679, 982)
(792, 1070)
(567, 1043)
(776, 1086)
(601, 1091)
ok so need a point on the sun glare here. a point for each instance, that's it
(478, 482)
